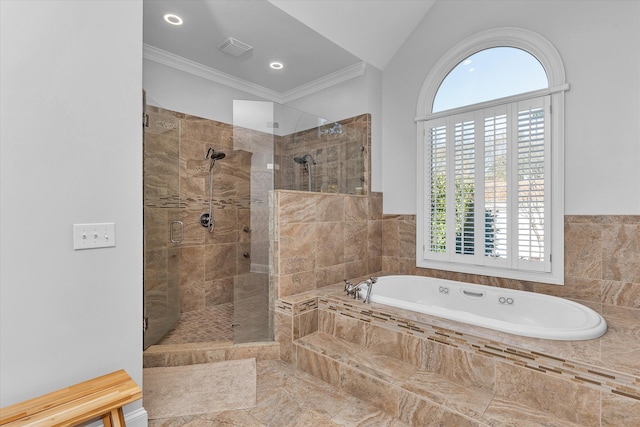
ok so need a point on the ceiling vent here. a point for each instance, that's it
(234, 47)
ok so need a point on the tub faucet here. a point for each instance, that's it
(349, 288)
(354, 290)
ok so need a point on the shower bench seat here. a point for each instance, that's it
(102, 397)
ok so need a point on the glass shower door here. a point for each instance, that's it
(254, 125)
(162, 227)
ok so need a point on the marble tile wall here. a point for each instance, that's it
(211, 261)
(321, 239)
(342, 158)
(602, 260)
(176, 188)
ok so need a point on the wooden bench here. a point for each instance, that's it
(101, 397)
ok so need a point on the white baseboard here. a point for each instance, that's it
(137, 418)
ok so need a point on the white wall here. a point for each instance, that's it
(599, 42)
(71, 152)
(177, 90)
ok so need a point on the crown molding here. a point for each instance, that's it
(347, 73)
(188, 66)
(160, 56)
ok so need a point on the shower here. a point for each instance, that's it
(206, 219)
(303, 160)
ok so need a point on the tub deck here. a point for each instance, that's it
(342, 340)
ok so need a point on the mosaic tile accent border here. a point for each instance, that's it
(284, 307)
(297, 307)
(305, 306)
(594, 377)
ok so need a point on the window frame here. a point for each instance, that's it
(548, 56)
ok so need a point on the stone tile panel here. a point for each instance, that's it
(460, 366)
(547, 394)
(417, 411)
(621, 252)
(370, 389)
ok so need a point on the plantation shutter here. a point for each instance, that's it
(487, 186)
(436, 220)
(532, 178)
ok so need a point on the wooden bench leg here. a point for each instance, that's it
(115, 418)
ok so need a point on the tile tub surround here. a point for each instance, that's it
(602, 259)
(608, 367)
(459, 355)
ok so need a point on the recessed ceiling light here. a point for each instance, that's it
(173, 19)
(276, 65)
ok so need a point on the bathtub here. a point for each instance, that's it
(516, 312)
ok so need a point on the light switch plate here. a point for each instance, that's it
(92, 236)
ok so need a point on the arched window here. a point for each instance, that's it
(493, 73)
(490, 198)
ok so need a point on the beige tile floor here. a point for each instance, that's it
(287, 397)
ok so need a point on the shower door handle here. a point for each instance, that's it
(172, 233)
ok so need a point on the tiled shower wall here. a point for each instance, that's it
(342, 158)
(176, 180)
(208, 261)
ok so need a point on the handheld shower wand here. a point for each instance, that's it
(206, 219)
(303, 160)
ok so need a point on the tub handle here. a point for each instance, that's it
(473, 294)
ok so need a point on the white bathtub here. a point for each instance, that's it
(516, 312)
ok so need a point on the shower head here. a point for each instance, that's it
(303, 160)
(214, 155)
